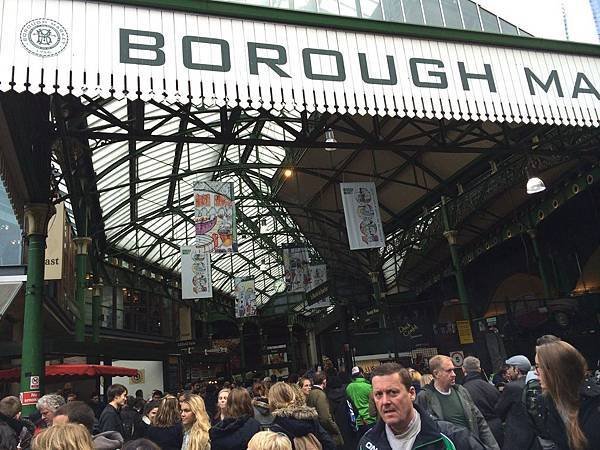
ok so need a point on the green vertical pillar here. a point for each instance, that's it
(292, 349)
(242, 348)
(82, 244)
(263, 347)
(538, 256)
(32, 358)
(452, 237)
(96, 311)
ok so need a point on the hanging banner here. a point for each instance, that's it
(296, 267)
(214, 216)
(361, 210)
(318, 276)
(55, 248)
(245, 297)
(196, 279)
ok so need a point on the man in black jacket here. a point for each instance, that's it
(110, 419)
(13, 428)
(510, 407)
(403, 424)
(483, 394)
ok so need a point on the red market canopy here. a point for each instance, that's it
(72, 371)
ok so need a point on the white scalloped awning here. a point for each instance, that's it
(74, 46)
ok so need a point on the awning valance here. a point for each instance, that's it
(102, 49)
(72, 371)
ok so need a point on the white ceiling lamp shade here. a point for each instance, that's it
(330, 139)
(535, 185)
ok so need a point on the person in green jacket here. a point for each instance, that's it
(359, 392)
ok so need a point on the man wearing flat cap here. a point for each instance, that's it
(511, 409)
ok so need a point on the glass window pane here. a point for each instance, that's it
(451, 13)
(371, 9)
(470, 16)
(258, 2)
(433, 14)
(489, 21)
(392, 10)
(305, 5)
(412, 11)
(508, 28)
(524, 33)
(348, 8)
(329, 6)
(10, 232)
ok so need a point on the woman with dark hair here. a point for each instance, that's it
(238, 426)
(293, 418)
(260, 403)
(305, 386)
(166, 429)
(570, 404)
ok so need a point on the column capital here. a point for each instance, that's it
(241, 325)
(83, 244)
(290, 327)
(451, 236)
(36, 217)
(97, 289)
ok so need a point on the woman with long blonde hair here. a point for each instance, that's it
(68, 436)
(166, 429)
(196, 423)
(571, 404)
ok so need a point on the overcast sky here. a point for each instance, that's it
(543, 18)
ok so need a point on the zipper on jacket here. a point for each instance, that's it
(445, 441)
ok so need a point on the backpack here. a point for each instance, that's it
(351, 416)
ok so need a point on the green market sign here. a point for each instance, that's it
(114, 50)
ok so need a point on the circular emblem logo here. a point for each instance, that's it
(44, 37)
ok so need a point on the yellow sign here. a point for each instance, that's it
(54, 245)
(465, 335)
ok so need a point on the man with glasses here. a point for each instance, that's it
(448, 401)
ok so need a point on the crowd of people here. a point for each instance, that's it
(552, 405)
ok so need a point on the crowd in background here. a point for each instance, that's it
(553, 404)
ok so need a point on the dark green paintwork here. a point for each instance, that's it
(215, 8)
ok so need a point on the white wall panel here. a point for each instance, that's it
(90, 63)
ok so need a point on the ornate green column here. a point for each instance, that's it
(452, 238)
(32, 358)
(242, 348)
(96, 311)
(292, 348)
(538, 256)
(82, 244)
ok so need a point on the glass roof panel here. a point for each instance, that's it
(146, 192)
